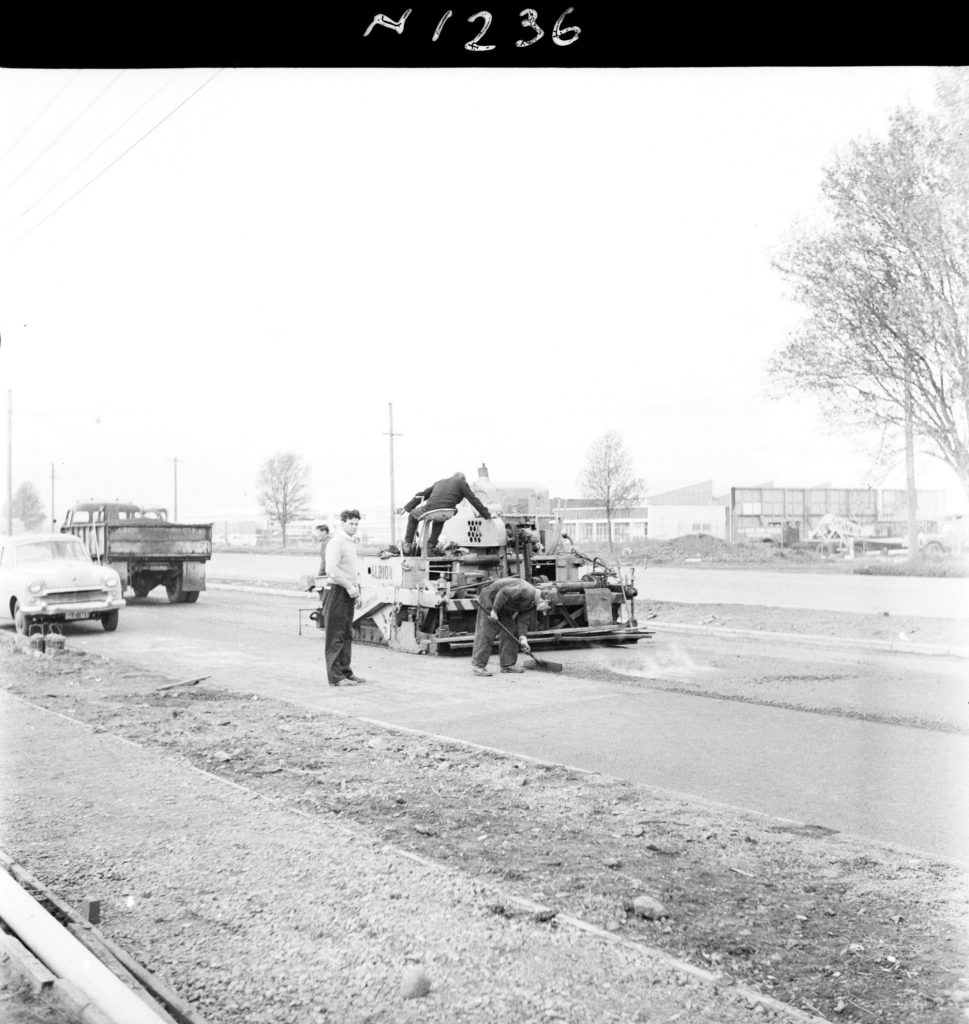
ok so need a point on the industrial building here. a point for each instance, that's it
(782, 515)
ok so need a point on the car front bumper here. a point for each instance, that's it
(50, 608)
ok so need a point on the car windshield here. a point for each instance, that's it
(49, 550)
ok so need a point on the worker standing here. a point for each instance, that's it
(507, 602)
(341, 567)
(446, 493)
(323, 536)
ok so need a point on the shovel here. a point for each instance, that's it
(546, 666)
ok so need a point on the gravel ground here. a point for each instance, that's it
(337, 854)
(256, 912)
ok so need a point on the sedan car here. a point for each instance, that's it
(49, 577)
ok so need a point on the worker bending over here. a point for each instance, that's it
(507, 602)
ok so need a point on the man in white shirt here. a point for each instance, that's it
(341, 567)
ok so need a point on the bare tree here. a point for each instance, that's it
(885, 286)
(26, 506)
(284, 489)
(608, 479)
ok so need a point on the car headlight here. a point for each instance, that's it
(36, 586)
(111, 578)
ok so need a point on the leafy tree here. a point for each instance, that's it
(884, 285)
(607, 479)
(284, 489)
(26, 506)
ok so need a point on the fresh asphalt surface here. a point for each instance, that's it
(895, 784)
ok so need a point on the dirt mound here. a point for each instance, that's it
(701, 547)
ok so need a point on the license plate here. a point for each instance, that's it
(75, 615)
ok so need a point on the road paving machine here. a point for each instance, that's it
(425, 603)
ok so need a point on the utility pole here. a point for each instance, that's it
(9, 462)
(175, 508)
(912, 494)
(393, 504)
(53, 518)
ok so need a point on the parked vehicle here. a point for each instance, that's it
(47, 577)
(835, 533)
(143, 547)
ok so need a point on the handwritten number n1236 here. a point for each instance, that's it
(562, 35)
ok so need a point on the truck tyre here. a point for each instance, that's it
(110, 621)
(933, 550)
(141, 591)
(190, 596)
(22, 622)
(174, 591)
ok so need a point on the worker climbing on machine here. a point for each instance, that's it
(442, 494)
(505, 608)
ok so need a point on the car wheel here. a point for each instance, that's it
(110, 621)
(190, 596)
(22, 622)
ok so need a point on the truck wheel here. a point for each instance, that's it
(933, 550)
(22, 622)
(174, 591)
(190, 596)
(110, 621)
(141, 591)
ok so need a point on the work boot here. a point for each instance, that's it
(480, 671)
(512, 668)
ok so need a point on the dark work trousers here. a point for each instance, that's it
(485, 631)
(321, 616)
(412, 524)
(338, 616)
(411, 529)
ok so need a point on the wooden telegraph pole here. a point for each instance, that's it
(393, 504)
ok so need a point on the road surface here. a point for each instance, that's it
(840, 592)
(674, 712)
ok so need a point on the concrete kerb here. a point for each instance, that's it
(891, 646)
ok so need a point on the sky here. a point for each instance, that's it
(200, 268)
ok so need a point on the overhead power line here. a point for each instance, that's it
(70, 125)
(117, 158)
(99, 146)
(13, 145)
